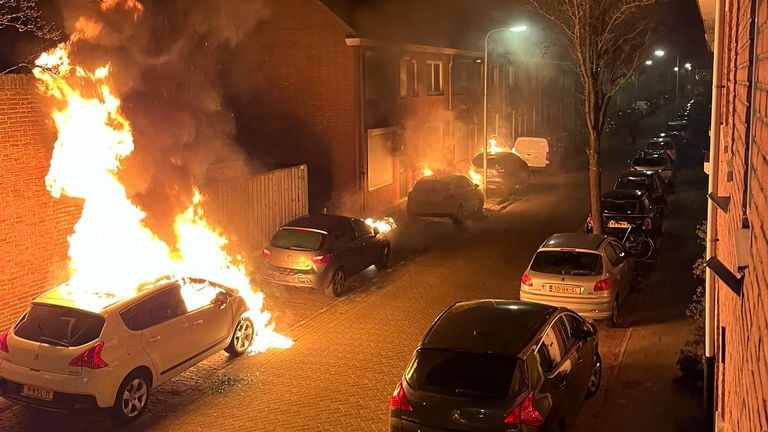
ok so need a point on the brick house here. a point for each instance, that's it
(738, 214)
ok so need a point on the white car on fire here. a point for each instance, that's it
(71, 352)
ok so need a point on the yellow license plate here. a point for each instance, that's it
(37, 392)
(618, 224)
(564, 289)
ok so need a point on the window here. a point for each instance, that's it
(156, 309)
(362, 229)
(381, 163)
(58, 325)
(620, 253)
(571, 328)
(611, 255)
(292, 238)
(550, 350)
(567, 263)
(408, 75)
(435, 83)
(198, 295)
(463, 183)
(343, 235)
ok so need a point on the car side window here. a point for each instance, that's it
(344, 234)
(610, 253)
(550, 350)
(463, 183)
(155, 309)
(571, 326)
(199, 295)
(620, 252)
(362, 229)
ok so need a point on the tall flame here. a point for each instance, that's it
(111, 250)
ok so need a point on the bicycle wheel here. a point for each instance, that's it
(643, 248)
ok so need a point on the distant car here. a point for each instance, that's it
(507, 172)
(679, 126)
(72, 351)
(677, 139)
(647, 160)
(664, 144)
(498, 365)
(588, 273)
(535, 151)
(646, 181)
(445, 195)
(625, 208)
(322, 251)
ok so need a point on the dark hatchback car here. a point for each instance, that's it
(623, 209)
(507, 172)
(499, 365)
(646, 181)
(321, 251)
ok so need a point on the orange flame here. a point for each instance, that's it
(112, 252)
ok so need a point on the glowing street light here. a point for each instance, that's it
(648, 62)
(514, 29)
(688, 66)
(659, 53)
(676, 68)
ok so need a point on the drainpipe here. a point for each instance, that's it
(714, 164)
(450, 84)
(362, 174)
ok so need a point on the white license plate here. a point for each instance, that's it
(37, 392)
(618, 224)
(564, 289)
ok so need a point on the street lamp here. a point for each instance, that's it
(660, 53)
(515, 29)
(648, 62)
(688, 66)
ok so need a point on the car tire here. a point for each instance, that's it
(242, 337)
(132, 397)
(335, 287)
(383, 262)
(596, 378)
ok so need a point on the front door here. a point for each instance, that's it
(211, 322)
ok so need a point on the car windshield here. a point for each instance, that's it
(633, 183)
(427, 185)
(567, 263)
(460, 373)
(58, 325)
(298, 239)
(649, 161)
(659, 145)
(621, 206)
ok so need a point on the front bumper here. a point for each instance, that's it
(592, 308)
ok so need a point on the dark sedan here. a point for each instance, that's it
(646, 181)
(498, 365)
(322, 251)
(623, 209)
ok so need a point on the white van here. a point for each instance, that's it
(533, 150)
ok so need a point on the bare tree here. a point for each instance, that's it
(24, 16)
(607, 39)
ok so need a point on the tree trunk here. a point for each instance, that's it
(595, 184)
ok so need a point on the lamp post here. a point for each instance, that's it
(660, 53)
(516, 29)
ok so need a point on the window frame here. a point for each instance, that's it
(141, 302)
(431, 89)
(558, 338)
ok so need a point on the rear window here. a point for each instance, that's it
(61, 326)
(298, 239)
(431, 186)
(623, 207)
(633, 183)
(567, 263)
(649, 161)
(464, 374)
(660, 145)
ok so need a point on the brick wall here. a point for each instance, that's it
(742, 378)
(33, 226)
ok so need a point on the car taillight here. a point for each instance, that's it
(321, 259)
(4, 342)
(603, 284)
(647, 223)
(265, 254)
(526, 280)
(525, 413)
(90, 358)
(399, 401)
(590, 222)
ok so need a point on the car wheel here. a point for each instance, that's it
(383, 262)
(596, 378)
(242, 338)
(458, 217)
(336, 285)
(615, 312)
(132, 397)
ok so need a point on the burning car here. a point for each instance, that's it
(444, 195)
(321, 251)
(72, 352)
(507, 172)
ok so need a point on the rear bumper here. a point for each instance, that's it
(64, 402)
(593, 308)
(294, 278)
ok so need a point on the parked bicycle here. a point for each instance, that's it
(638, 244)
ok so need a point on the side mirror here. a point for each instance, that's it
(475, 185)
(221, 299)
(376, 231)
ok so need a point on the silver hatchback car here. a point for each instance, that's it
(588, 273)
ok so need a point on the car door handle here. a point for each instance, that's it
(198, 322)
(153, 339)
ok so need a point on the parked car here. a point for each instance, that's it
(677, 139)
(664, 144)
(679, 126)
(445, 196)
(498, 365)
(625, 208)
(322, 251)
(535, 151)
(71, 352)
(647, 160)
(507, 172)
(649, 182)
(588, 273)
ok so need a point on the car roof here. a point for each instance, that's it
(488, 326)
(638, 173)
(650, 154)
(440, 177)
(623, 194)
(574, 240)
(321, 222)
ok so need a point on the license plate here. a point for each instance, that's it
(37, 392)
(564, 289)
(618, 224)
